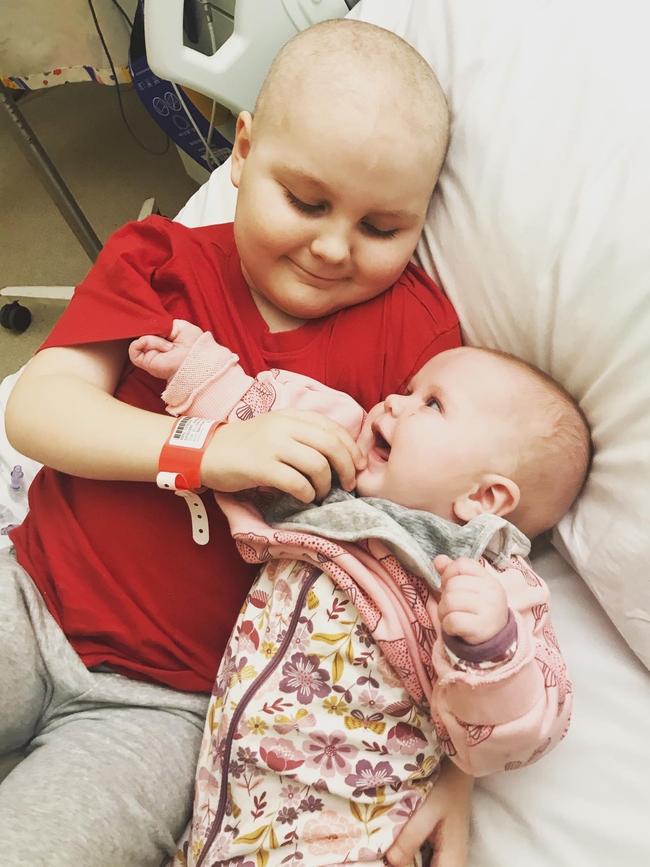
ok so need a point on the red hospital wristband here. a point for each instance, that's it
(179, 465)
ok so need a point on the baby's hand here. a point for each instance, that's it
(473, 604)
(161, 357)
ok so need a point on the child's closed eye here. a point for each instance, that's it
(304, 207)
(378, 233)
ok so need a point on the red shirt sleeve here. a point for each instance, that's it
(116, 299)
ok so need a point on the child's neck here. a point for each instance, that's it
(276, 319)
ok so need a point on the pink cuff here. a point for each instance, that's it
(209, 382)
(496, 649)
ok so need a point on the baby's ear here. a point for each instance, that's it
(241, 146)
(495, 495)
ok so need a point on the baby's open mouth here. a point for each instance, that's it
(380, 446)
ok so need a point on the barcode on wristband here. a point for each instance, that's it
(190, 432)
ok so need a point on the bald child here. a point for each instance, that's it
(114, 620)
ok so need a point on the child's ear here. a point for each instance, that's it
(241, 146)
(495, 495)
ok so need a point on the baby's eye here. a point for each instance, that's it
(378, 233)
(304, 207)
(434, 403)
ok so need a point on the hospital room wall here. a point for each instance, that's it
(108, 173)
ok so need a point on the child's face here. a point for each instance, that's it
(430, 448)
(329, 210)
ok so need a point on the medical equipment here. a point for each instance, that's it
(244, 35)
(197, 63)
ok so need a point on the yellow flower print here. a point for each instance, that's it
(268, 649)
(256, 725)
(335, 705)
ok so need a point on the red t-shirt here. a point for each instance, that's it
(115, 561)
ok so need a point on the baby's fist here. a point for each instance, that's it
(160, 356)
(473, 604)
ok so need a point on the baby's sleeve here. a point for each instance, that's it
(507, 715)
(211, 384)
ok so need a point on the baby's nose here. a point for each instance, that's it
(395, 404)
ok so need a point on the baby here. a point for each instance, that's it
(378, 636)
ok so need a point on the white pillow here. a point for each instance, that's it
(585, 805)
(539, 231)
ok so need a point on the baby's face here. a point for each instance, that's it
(429, 447)
(329, 210)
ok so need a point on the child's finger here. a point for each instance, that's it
(311, 464)
(286, 478)
(334, 442)
(160, 344)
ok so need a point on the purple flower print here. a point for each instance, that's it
(367, 779)
(330, 754)
(310, 804)
(363, 634)
(288, 815)
(247, 756)
(303, 676)
(290, 793)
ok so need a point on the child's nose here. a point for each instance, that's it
(331, 246)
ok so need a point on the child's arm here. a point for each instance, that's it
(493, 715)
(62, 412)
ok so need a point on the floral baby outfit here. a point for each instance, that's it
(338, 692)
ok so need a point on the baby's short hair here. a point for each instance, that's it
(553, 464)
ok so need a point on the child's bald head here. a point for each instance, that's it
(345, 69)
(335, 170)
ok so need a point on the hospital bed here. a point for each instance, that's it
(538, 233)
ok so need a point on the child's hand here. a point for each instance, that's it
(442, 818)
(161, 357)
(291, 450)
(473, 604)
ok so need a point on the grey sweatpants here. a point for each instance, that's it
(109, 763)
